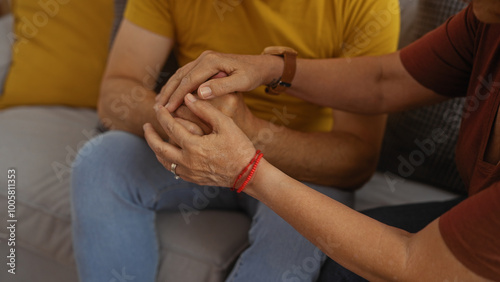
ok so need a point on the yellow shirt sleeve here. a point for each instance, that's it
(370, 28)
(154, 16)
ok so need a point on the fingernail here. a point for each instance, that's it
(205, 92)
(166, 106)
(156, 106)
(191, 98)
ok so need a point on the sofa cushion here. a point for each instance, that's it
(420, 144)
(203, 250)
(59, 54)
(41, 143)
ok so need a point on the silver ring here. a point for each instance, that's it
(173, 166)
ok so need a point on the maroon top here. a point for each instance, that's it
(462, 58)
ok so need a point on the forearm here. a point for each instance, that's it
(353, 85)
(357, 242)
(365, 85)
(363, 245)
(338, 159)
(125, 104)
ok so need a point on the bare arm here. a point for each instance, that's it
(127, 97)
(366, 85)
(346, 157)
(367, 247)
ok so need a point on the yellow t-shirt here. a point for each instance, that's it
(316, 29)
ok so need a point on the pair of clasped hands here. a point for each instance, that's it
(206, 142)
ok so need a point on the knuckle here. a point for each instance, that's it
(179, 74)
(170, 128)
(186, 79)
(207, 53)
(159, 150)
(212, 56)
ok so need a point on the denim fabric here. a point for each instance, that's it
(118, 186)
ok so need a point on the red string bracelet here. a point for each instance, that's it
(258, 155)
(249, 177)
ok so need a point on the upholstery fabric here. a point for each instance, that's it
(59, 53)
(409, 150)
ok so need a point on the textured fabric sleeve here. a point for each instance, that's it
(442, 60)
(152, 15)
(471, 230)
(370, 27)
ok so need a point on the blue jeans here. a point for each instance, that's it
(117, 188)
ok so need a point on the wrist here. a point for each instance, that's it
(281, 83)
(250, 124)
(247, 173)
(273, 68)
(258, 180)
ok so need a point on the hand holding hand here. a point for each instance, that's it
(235, 73)
(213, 159)
(232, 105)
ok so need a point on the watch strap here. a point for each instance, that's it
(290, 65)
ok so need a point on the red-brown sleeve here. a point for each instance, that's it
(442, 60)
(471, 231)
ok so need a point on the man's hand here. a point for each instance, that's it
(232, 106)
(235, 73)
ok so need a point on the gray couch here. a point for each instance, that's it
(196, 251)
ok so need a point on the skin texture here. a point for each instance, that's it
(487, 11)
(345, 158)
(369, 248)
(350, 238)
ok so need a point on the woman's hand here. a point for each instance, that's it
(234, 73)
(213, 159)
